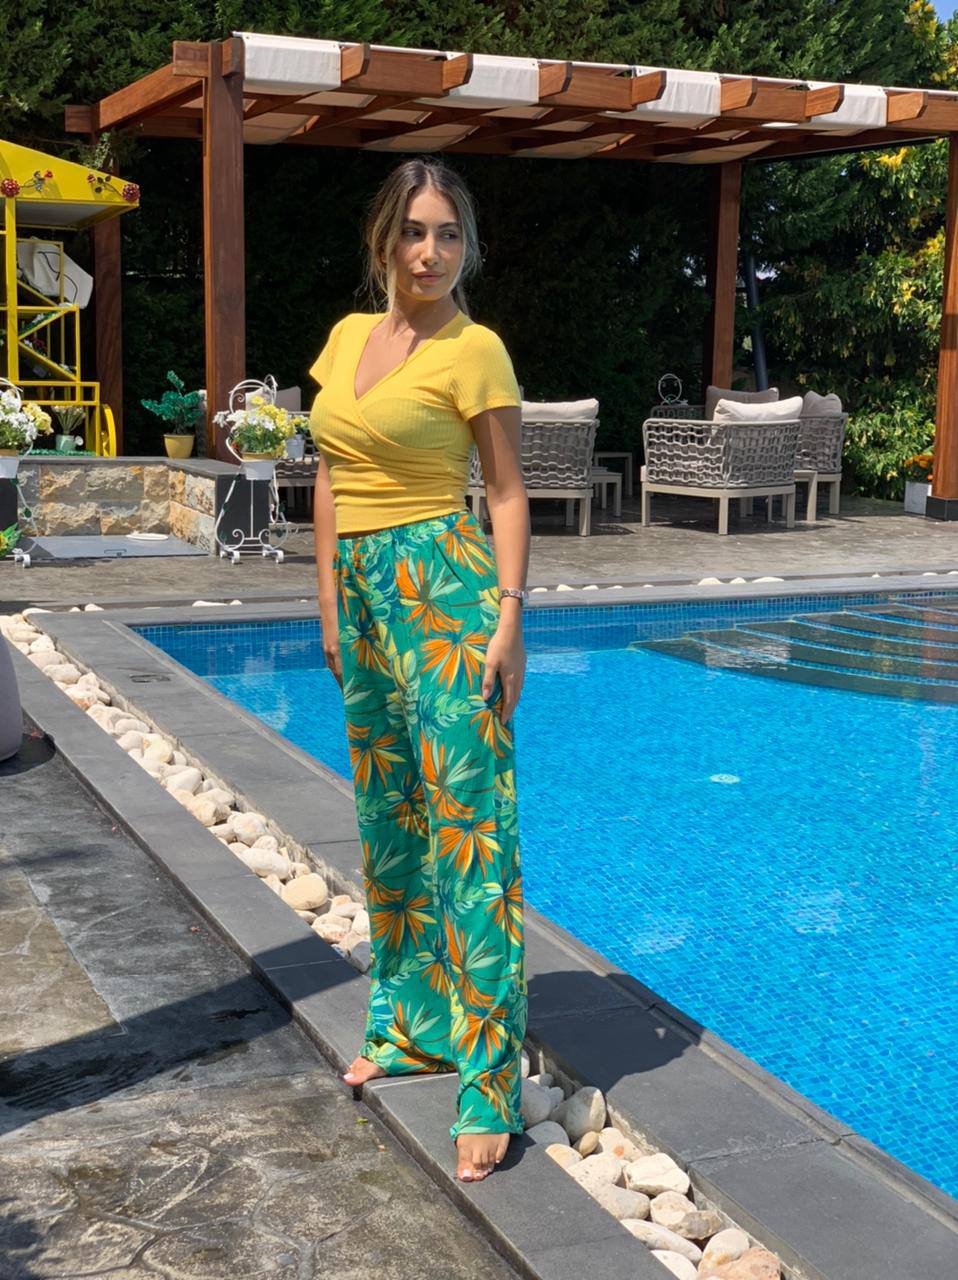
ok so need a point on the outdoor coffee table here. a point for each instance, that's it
(626, 456)
(601, 478)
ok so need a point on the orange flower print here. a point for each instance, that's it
(473, 844)
(367, 753)
(457, 654)
(417, 591)
(442, 770)
(394, 920)
(465, 544)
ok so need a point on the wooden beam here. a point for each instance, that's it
(335, 117)
(596, 89)
(108, 319)
(266, 104)
(419, 75)
(78, 119)
(939, 115)
(150, 96)
(907, 105)
(805, 146)
(224, 266)
(722, 273)
(792, 104)
(191, 58)
(945, 484)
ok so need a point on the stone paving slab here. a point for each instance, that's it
(160, 1114)
(869, 536)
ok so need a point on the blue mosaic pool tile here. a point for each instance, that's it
(778, 860)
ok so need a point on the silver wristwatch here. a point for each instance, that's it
(521, 594)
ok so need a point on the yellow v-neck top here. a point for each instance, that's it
(400, 452)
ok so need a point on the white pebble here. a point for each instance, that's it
(309, 892)
(550, 1134)
(330, 928)
(249, 827)
(726, 1246)
(562, 1155)
(184, 780)
(44, 660)
(65, 673)
(674, 1262)
(92, 608)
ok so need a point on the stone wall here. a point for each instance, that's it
(97, 497)
(123, 495)
(192, 512)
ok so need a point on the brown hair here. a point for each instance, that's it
(387, 213)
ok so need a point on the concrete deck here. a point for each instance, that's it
(681, 544)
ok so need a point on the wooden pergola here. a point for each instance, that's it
(263, 89)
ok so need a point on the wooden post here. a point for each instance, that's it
(721, 275)
(12, 370)
(943, 504)
(108, 307)
(223, 232)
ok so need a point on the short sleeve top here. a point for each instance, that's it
(400, 452)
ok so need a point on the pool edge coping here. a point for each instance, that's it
(77, 632)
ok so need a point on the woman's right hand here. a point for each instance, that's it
(329, 624)
(327, 583)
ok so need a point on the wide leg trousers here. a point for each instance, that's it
(434, 774)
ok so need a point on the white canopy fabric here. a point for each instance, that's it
(508, 87)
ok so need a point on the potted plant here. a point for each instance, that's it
(21, 421)
(917, 471)
(181, 411)
(69, 417)
(257, 433)
(296, 444)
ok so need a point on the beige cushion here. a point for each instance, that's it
(714, 394)
(289, 398)
(559, 410)
(735, 411)
(816, 406)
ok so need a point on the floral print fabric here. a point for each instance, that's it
(434, 775)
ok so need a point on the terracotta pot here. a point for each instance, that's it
(179, 446)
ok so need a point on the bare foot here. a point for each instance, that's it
(361, 1070)
(479, 1153)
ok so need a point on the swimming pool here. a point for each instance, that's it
(778, 859)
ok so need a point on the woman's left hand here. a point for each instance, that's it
(505, 655)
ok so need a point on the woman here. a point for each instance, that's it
(427, 648)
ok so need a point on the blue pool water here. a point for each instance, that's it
(779, 860)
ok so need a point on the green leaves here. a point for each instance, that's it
(180, 410)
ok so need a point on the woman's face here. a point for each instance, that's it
(428, 253)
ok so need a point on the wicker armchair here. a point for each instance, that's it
(819, 459)
(556, 463)
(720, 460)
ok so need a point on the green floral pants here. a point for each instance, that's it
(434, 775)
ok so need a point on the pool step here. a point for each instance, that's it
(892, 650)
(816, 633)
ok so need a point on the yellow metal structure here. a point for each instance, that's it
(41, 331)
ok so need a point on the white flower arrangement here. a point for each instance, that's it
(261, 428)
(21, 421)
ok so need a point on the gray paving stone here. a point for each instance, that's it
(555, 1228)
(328, 1000)
(827, 1216)
(684, 1101)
